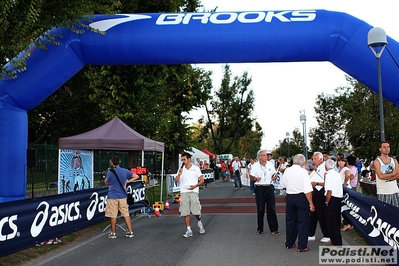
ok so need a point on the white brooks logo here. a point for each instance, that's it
(104, 25)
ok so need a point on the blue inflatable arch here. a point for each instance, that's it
(183, 38)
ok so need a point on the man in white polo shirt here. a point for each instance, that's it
(332, 211)
(263, 173)
(299, 203)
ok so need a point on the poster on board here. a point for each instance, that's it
(75, 170)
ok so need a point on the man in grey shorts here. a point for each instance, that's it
(191, 179)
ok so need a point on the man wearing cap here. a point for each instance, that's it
(263, 173)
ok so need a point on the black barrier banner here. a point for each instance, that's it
(25, 223)
(375, 220)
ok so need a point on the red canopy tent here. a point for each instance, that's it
(211, 155)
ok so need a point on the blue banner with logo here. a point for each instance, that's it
(25, 223)
(375, 220)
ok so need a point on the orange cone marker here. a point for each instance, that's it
(157, 212)
(167, 206)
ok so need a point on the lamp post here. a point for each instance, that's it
(377, 40)
(302, 118)
(281, 151)
(287, 134)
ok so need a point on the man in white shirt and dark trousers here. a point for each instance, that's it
(319, 199)
(298, 203)
(332, 211)
(262, 173)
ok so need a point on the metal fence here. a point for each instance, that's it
(45, 168)
(42, 177)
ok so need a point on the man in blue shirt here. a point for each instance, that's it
(359, 165)
(116, 200)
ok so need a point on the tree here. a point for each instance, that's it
(135, 97)
(153, 99)
(187, 89)
(229, 118)
(296, 144)
(23, 22)
(82, 94)
(349, 121)
(330, 133)
(67, 112)
(251, 142)
(361, 111)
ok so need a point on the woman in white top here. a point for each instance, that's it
(346, 177)
(344, 172)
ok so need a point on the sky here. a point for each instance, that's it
(306, 80)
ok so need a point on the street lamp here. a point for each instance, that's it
(302, 118)
(377, 40)
(281, 151)
(287, 134)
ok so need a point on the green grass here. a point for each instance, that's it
(356, 238)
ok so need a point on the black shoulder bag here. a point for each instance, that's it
(130, 199)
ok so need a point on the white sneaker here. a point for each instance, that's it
(129, 234)
(201, 227)
(201, 230)
(311, 238)
(325, 240)
(188, 234)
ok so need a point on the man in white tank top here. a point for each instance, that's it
(387, 172)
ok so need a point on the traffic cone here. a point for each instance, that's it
(167, 206)
(157, 212)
